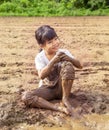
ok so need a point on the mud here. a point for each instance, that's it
(88, 39)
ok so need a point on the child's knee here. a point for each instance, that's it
(29, 99)
(67, 70)
(24, 97)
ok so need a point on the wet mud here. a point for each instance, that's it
(88, 39)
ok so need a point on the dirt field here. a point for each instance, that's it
(87, 38)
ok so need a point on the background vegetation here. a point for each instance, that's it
(53, 7)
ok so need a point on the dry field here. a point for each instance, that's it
(87, 38)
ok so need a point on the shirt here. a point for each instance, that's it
(41, 61)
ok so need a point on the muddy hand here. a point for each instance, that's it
(60, 54)
(57, 57)
(64, 57)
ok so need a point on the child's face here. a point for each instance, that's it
(52, 46)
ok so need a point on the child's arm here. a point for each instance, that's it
(74, 61)
(44, 72)
(47, 69)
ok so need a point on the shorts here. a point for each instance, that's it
(65, 71)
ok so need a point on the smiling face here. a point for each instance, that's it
(47, 39)
(51, 46)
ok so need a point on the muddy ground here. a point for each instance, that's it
(87, 38)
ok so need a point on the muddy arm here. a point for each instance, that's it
(74, 61)
(47, 69)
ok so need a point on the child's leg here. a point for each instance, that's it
(67, 76)
(66, 88)
(38, 98)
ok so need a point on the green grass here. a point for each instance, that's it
(76, 12)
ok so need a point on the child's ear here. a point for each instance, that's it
(41, 46)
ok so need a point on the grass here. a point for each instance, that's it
(75, 12)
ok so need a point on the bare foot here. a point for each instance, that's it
(67, 104)
(63, 109)
(72, 112)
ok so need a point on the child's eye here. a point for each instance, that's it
(49, 42)
(56, 38)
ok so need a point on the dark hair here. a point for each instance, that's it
(44, 33)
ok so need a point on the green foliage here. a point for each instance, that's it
(24, 3)
(2, 1)
(79, 3)
(96, 4)
(107, 2)
(92, 4)
(53, 7)
(7, 7)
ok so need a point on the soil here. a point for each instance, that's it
(87, 38)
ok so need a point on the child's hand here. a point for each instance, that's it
(57, 57)
(60, 54)
(75, 62)
(65, 58)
